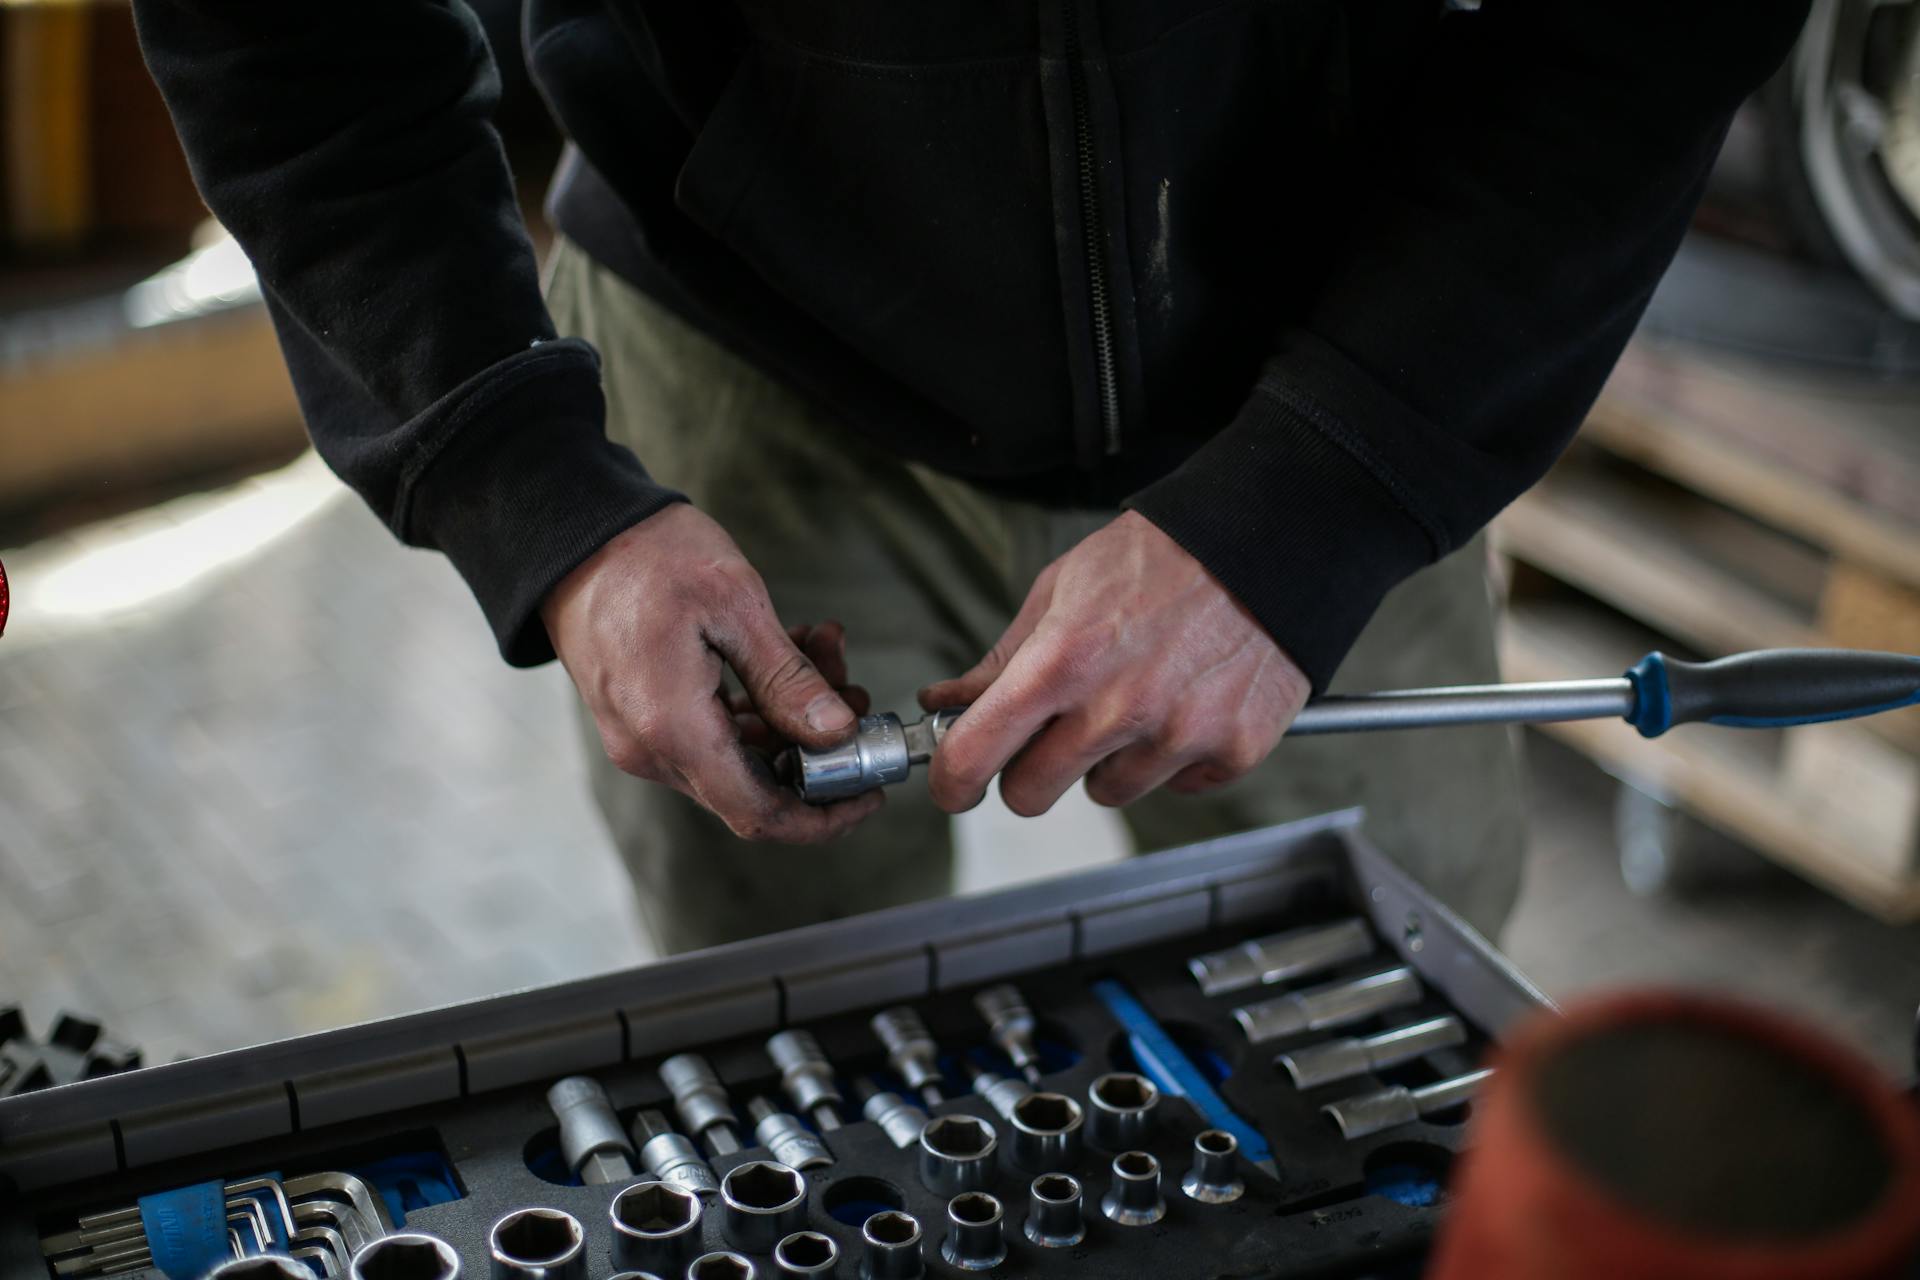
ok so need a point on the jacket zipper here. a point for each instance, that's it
(1093, 234)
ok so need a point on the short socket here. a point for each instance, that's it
(656, 1227)
(761, 1202)
(1134, 1199)
(890, 1247)
(262, 1266)
(697, 1093)
(899, 1119)
(786, 1139)
(1054, 1216)
(806, 1253)
(805, 1072)
(1214, 1177)
(957, 1154)
(406, 1255)
(1046, 1132)
(973, 1240)
(635, 1275)
(721, 1266)
(1120, 1111)
(672, 1157)
(537, 1244)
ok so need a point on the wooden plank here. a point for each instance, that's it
(1859, 609)
(43, 115)
(1722, 776)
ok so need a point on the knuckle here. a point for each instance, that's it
(1243, 750)
(627, 755)
(1184, 733)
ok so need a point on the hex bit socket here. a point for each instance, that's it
(785, 1138)
(899, 1119)
(1333, 1060)
(973, 1240)
(1332, 1004)
(806, 1253)
(405, 1255)
(890, 1247)
(957, 1153)
(1214, 1176)
(672, 1157)
(910, 1051)
(1366, 1114)
(1046, 1129)
(656, 1227)
(1281, 957)
(591, 1139)
(1134, 1199)
(1055, 1217)
(1001, 1092)
(1011, 1026)
(761, 1203)
(701, 1100)
(537, 1244)
(1120, 1110)
(807, 1076)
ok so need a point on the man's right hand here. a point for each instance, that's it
(646, 628)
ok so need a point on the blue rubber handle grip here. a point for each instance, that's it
(1770, 688)
(1167, 1065)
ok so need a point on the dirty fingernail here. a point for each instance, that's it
(828, 714)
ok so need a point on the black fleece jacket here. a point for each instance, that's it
(1317, 286)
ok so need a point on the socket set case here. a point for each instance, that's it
(461, 1094)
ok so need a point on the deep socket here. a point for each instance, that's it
(807, 1076)
(721, 1266)
(1120, 1111)
(1046, 1132)
(672, 1157)
(973, 1240)
(1214, 1177)
(761, 1202)
(806, 1253)
(910, 1051)
(1332, 1004)
(789, 1141)
(899, 1119)
(537, 1244)
(1366, 1114)
(890, 1247)
(1011, 1026)
(262, 1266)
(1055, 1219)
(1335, 1060)
(1134, 1199)
(636, 1275)
(957, 1154)
(701, 1100)
(656, 1227)
(591, 1139)
(1001, 1092)
(1281, 957)
(405, 1255)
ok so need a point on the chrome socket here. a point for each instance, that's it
(1011, 1026)
(1121, 1108)
(1001, 1092)
(405, 1255)
(957, 1154)
(656, 1227)
(672, 1157)
(262, 1266)
(701, 1100)
(806, 1253)
(1046, 1131)
(1332, 1004)
(761, 1202)
(1366, 1114)
(1335, 1060)
(591, 1139)
(973, 1240)
(807, 1076)
(635, 1275)
(537, 1244)
(910, 1050)
(1214, 1177)
(721, 1266)
(890, 1247)
(1281, 957)
(789, 1141)
(1134, 1199)
(899, 1119)
(1055, 1218)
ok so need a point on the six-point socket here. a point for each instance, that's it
(890, 1247)
(1055, 1219)
(702, 1102)
(1134, 1199)
(957, 1154)
(761, 1202)
(721, 1266)
(656, 1227)
(1121, 1106)
(405, 1255)
(1046, 1131)
(1215, 1175)
(806, 1253)
(672, 1157)
(537, 1244)
(973, 1240)
(807, 1076)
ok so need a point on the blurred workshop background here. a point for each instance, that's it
(261, 771)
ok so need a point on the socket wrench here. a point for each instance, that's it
(591, 1139)
(1332, 1004)
(1121, 1110)
(1055, 1218)
(672, 1157)
(890, 1247)
(701, 1100)
(1366, 1114)
(973, 1240)
(1281, 957)
(656, 1227)
(957, 1154)
(1214, 1177)
(881, 752)
(1334, 1060)
(537, 1244)
(785, 1138)
(761, 1203)
(807, 1076)
(406, 1255)
(806, 1253)
(1011, 1026)
(1046, 1132)
(910, 1051)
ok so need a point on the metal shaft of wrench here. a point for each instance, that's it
(1316, 1064)
(1333, 1004)
(1366, 1114)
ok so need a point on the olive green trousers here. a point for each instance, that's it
(925, 571)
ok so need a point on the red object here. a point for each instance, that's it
(1654, 1136)
(3, 599)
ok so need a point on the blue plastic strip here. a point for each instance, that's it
(1174, 1073)
(1652, 701)
(416, 1180)
(1788, 722)
(187, 1229)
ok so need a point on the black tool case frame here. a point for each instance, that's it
(470, 1079)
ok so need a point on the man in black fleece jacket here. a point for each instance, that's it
(1198, 325)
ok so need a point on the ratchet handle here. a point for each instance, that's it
(1770, 688)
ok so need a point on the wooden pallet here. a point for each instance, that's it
(1708, 509)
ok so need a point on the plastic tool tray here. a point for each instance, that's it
(464, 1088)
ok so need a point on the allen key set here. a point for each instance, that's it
(1245, 1058)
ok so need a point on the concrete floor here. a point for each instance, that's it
(261, 772)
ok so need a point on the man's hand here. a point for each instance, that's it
(644, 628)
(1128, 665)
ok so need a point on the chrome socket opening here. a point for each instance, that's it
(1214, 1177)
(656, 1227)
(761, 1203)
(406, 1255)
(1054, 1216)
(957, 1154)
(633, 1275)
(1121, 1110)
(806, 1253)
(262, 1266)
(890, 1247)
(1046, 1131)
(538, 1244)
(1134, 1199)
(721, 1266)
(973, 1232)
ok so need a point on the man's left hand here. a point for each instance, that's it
(1128, 665)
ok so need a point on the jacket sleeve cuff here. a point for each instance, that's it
(524, 487)
(1296, 516)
